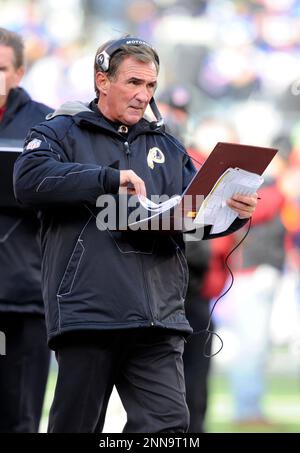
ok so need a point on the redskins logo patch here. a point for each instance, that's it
(155, 155)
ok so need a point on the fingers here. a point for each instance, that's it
(244, 205)
(134, 184)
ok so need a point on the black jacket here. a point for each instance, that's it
(96, 279)
(20, 256)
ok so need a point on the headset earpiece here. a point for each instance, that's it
(103, 61)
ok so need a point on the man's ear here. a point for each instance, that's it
(19, 74)
(102, 82)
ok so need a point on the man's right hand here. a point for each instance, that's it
(134, 184)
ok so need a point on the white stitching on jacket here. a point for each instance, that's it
(62, 177)
(9, 232)
(80, 242)
(58, 296)
(117, 245)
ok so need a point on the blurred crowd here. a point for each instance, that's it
(230, 71)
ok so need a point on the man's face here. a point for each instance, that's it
(125, 98)
(10, 76)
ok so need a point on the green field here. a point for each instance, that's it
(281, 404)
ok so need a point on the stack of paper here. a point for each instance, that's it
(214, 210)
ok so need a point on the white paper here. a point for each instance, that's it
(214, 210)
(155, 209)
(159, 207)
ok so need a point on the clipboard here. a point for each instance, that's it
(9, 152)
(254, 159)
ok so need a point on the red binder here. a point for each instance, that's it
(254, 159)
(225, 155)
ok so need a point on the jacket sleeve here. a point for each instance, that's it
(189, 171)
(44, 175)
(236, 225)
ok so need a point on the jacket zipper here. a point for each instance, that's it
(128, 152)
(152, 322)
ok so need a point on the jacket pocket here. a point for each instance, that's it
(67, 282)
(130, 243)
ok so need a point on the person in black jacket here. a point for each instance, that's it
(114, 298)
(24, 368)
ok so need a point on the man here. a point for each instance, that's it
(115, 299)
(24, 368)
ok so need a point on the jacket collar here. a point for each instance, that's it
(95, 118)
(89, 116)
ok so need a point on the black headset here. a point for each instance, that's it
(103, 61)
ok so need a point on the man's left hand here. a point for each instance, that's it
(244, 205)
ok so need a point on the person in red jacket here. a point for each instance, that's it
(208, 275)
(259, 264)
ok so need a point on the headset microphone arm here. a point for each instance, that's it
(159, 119)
